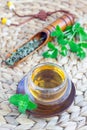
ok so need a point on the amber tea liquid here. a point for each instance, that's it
(48, 85)
(48, 80)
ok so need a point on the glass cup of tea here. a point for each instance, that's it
(48, 85)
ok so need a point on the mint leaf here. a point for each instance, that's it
(31, 106)
(63, 51)
(74, 36)
(84, 45)
(51, 46)
(58, 29)
(23, 102)
(22, 106)
(73, 46)
(76, 27)
(54, 54)
(47, 54)
(51, 54)
(57, 33)
(15, 99)
(70, 32)
(81, 54)
(82, 35)
(62, 41)
(54, 34)
(79, 30)
(68, 28)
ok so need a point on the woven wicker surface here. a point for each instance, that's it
(75, 118)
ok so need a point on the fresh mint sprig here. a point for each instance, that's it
(52, 52)
(74, 38)
(23, 102)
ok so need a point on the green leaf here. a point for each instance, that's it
(62, 41)
(84, 45)
(57, 33)
(31, 106)
(22, 106)
(22, 102)
(74, 36)
(58, 29)
(76, 27)
(79, 30)
(81, 54)
(63, 51)
(51, 54)
(55, 54)
(54, 34)
(15, 99)
(82, 35)
(68, 28)
(47, 54)
(73, 46)
(51, 45)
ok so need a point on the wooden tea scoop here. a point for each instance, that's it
(37, 41)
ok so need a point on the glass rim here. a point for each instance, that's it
(46, 89)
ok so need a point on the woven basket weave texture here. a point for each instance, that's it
(75, 118)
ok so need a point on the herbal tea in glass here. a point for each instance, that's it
(48, 85)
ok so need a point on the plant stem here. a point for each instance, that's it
(72, 36)
(65, 32)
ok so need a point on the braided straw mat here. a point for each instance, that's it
(75, 118)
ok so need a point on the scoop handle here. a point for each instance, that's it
(63, 22)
